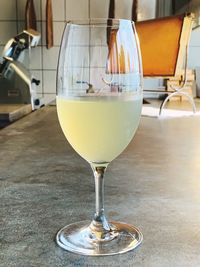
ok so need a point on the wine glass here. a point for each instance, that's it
(99, 101)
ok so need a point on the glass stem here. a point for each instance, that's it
(99, 226)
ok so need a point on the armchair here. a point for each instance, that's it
(164, 48)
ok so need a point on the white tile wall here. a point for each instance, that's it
(48, 98)
(58, 7)
(99, 9)
(8, 10)
(195, 37)
(99, 56)
(49, 79)
(43, 61)
(123, 9)
(77, 9)
(20, 25)
(146, 9)
(194, 60)
(97, 32)
(21, 4)
(36, 58)
(194, 49)
(50, 58)
(8, 29)
(1, 49)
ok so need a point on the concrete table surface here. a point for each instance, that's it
(154, 184)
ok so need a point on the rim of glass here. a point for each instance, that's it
(101, 22)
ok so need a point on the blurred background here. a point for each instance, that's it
(43, 61)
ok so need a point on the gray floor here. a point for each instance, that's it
(154, 184)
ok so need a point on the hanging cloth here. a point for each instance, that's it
(135, 10)
(111, 15)
(30, 16)
(49, 24)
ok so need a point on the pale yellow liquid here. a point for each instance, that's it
(100, 128)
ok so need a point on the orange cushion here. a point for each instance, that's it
(159, 43)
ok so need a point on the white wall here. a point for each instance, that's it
(43, 61)
(194, 49)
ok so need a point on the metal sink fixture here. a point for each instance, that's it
(17, 84)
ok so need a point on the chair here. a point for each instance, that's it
(164, 48)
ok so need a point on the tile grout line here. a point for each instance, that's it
(17, 26)
(42, 65)
(65, 11)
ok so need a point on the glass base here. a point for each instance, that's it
(79, 238)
